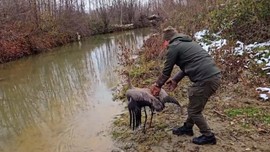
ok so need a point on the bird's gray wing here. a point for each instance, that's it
(140, 94)
(144, 94)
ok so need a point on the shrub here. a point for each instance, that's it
(244, 20)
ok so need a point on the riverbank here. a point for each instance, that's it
(31, 27)
(15, 44)
(238, 117)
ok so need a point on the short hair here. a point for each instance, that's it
(168, 33)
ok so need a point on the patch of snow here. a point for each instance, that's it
(264, 96)
(259, 62)
(239, 50)
(241, 47)
(199, 35)
(256, 44)
(209, 45)
(265, 92)
(265, 60)
(263, 89)
(266, 68)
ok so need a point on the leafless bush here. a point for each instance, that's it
(153, 48)
(231, 65)
(187, 17)
(238, 68)
(125, 55)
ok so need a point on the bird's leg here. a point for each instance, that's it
(144, 126)
(138, 116)
(130, 117)
(133, 120)
(152, 113)
(131, 109)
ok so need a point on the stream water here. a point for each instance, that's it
(61, 101)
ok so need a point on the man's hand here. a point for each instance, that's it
(171, 84)
(155, 90)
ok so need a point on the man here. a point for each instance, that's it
(198, 65)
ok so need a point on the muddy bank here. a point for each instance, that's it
(240, 132)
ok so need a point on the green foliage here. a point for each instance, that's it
(245, 20)
(250, 113)
(266, 119)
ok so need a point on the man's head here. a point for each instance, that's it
(168, 33)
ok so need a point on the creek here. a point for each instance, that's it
(61, 100)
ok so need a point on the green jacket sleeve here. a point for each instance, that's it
(170, 61)
(179, 76)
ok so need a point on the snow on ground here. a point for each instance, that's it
(264, 92)
(209, 45)
(262, 57)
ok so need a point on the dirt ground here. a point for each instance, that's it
(240, 121)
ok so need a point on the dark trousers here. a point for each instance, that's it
(199, 94)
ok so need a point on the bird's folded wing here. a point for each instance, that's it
(141, 94)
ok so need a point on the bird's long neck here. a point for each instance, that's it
(169, 99)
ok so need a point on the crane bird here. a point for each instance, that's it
(139, 98)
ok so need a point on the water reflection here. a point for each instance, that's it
(59, 95)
